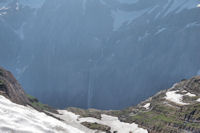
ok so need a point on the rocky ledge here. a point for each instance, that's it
(11, 89)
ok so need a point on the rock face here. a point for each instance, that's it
(107, 46)
(10, 88)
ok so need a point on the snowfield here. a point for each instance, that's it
(110, 121)
(16, 118)
(190, 94)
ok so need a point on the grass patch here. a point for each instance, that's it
(31, 97)
(40, 105)
(35, 103)
(161, 116)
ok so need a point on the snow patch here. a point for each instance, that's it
(174, 97)
(3, 13)
(193, 24)
(4, 8)
(190, 94)
(184, 91)
(73, 120)
(17, 6)
(147, 106)
(17, 119)
(160, 30)
(198, 100)
(179, 5)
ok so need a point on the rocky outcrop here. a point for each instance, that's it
(10, 88)
(175, 113)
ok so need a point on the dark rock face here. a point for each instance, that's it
(10, 88)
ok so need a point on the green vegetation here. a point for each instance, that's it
(96, 126)
(40, 105)
(31, 97)
(36, 104)
(165, 118)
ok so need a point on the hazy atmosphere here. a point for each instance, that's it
(104, 54)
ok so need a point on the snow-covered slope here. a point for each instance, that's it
(20, 119)
(107, 120)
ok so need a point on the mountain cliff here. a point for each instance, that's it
(108, 46)
(10, 88)
(174, 110)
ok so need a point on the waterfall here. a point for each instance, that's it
(90, 90)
